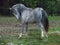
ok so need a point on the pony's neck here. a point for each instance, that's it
(21, 10)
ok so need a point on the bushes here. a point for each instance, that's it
(51, 6)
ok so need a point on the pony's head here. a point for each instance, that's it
(17, 10)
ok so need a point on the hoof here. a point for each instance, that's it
(19, 35)
(42, 38)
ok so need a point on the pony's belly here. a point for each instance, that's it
(30, 19)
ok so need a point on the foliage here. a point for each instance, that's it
(51, 6)
(29, 3)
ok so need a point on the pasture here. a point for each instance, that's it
(10, 27)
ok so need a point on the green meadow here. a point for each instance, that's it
(10, 28)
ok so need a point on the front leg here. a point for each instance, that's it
(21, 34)
(27, 29)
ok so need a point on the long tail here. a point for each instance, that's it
(45, 20)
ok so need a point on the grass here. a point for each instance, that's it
(56, 18)
(9, 31)
(7, 19)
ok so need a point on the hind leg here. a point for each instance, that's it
(44, 33)
(42, 30)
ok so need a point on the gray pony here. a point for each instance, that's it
(29, 15)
